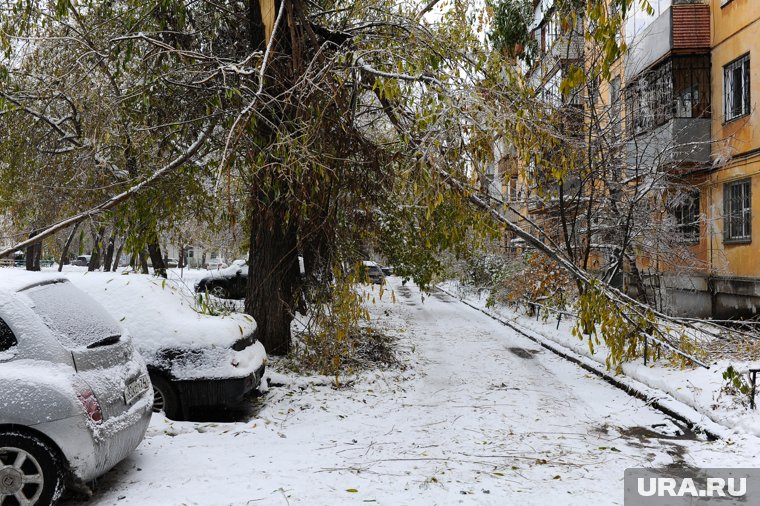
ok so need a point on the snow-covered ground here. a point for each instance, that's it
(695, 387)
(480, 415)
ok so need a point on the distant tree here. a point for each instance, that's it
(510, 30)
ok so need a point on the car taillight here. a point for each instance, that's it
(91, 406)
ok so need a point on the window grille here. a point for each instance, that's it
(736, 88)
(737, 211)
(686, 213)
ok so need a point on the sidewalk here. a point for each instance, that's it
(693, 393)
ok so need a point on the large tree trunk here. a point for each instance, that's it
(117, 257)
(33, 254)
(66, 246)
(159, 267)
(273, 277)
(96, 251)
(108, 258)
(143, 259)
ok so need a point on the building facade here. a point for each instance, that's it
(724, 281)
(685, 95)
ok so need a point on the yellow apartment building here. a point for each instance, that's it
(731, 190)
(689, 93)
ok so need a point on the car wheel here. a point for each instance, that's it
(218, 291)
(31, 472)
(165, 398)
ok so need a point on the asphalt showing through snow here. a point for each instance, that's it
(480, 415)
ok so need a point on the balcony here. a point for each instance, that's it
(557, 46)
(682, 28)
(565, 48)
(668, 114)
(683, 142)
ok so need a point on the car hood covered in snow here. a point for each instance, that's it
(160, 315)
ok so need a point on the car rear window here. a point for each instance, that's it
(7, 338)
(75, 318)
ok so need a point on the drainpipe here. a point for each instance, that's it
(710, 278)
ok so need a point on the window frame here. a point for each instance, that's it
(688, 218)
(744, 63)
(743, 215)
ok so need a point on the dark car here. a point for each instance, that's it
(196, 361)
(227, 283)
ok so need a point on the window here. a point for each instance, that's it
(736, 88)
(512, 194)
(7, 338)
(551, 93)
(73, 317)
(593, 90)
(551, 31)
(691, 86)
(686, 213)
(737, 211)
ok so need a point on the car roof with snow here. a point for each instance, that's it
(14, 280)
(161, 314)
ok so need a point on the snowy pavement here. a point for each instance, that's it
(480, 415)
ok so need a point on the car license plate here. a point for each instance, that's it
(135, 388)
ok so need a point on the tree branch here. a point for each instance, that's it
(114, 201)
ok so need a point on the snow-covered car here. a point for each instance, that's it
(195, 360)
(75, 397)
(227, 283)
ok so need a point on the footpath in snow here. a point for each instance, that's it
(696, 391)
(478, 415)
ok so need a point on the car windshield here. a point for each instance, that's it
(75, 318)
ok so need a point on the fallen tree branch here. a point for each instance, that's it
(637, 311)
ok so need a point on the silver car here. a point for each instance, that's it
(75, 398)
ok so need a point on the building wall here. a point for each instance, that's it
(728, 284)
(736, 31)
(722, 279)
